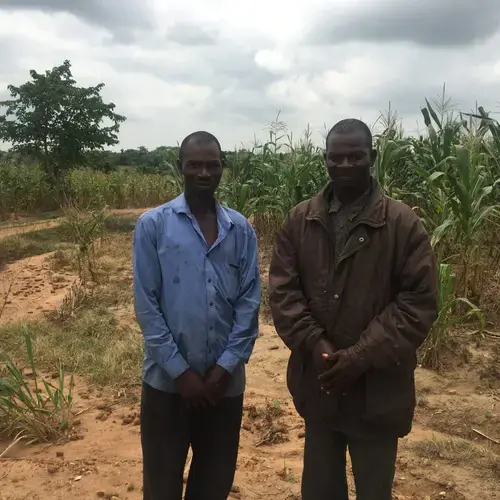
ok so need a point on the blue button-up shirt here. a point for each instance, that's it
(196, 306)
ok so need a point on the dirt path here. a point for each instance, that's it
(29, 288)
(38, 225)
(28, 227)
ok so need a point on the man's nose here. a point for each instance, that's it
(204, 172)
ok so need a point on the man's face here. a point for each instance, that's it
(201, 167)
(349, 159)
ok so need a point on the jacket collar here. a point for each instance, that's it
(372, 214)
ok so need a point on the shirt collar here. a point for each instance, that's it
(180, 206)
(353, 209)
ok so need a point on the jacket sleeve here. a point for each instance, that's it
(401, 328)
(147, 291)
(246, 309)
(289, 307)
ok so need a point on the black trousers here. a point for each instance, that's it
(324, 477)
(168, 429)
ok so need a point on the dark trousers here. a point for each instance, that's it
(168, 428)
(324, 477)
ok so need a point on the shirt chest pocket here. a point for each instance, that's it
(231, 281)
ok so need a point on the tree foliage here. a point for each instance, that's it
(52, 120)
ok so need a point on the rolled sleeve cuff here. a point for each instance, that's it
(316, 335)
(176, 366)
(229, 361)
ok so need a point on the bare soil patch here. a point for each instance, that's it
(442, 458)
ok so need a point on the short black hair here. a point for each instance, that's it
(200, 137)
(350, 125)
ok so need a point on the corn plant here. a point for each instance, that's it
(469, 186)
(175, 179)
(391, 156)
(121, 189)
(438, 340)
(239, 186)
(34, 410)
(23, 189)
(82, 228)
(287, 172)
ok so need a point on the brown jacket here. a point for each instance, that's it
(382, 296)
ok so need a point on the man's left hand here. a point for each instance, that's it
(217, 381)
(348, 366)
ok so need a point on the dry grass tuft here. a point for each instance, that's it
(266, 422)
(491, 369)
(62, 260)
(460, 451)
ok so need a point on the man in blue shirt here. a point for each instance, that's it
(197, 297)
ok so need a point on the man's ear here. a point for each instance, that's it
(373, 155)
(179, 164)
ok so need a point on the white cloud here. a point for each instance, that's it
(275, 61)
(229, 67)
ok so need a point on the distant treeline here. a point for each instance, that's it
(142, 159)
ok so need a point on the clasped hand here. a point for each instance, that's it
(337, 368)
(199, 392)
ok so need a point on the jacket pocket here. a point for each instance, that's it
(296, 378)
(390, 394)
(309, 400)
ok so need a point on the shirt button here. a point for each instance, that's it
(211, 304)
(336, 296)
(211, 328)
(361, 239)
(209, 280)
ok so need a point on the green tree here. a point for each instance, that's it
(56, 122)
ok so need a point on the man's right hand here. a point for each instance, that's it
(193, 389)
(322, 350)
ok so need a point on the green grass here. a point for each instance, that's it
(41, 217)
(120, 224)
(33, 409)
(30, 244)
(92, 344)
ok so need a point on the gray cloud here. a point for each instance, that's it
(118, 16)
(424, 22)
(190, 71)
(238, 84)
(191, 35)
(218, 66)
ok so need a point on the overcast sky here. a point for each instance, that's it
(227, 66)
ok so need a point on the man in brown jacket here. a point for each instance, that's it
(352, 289)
